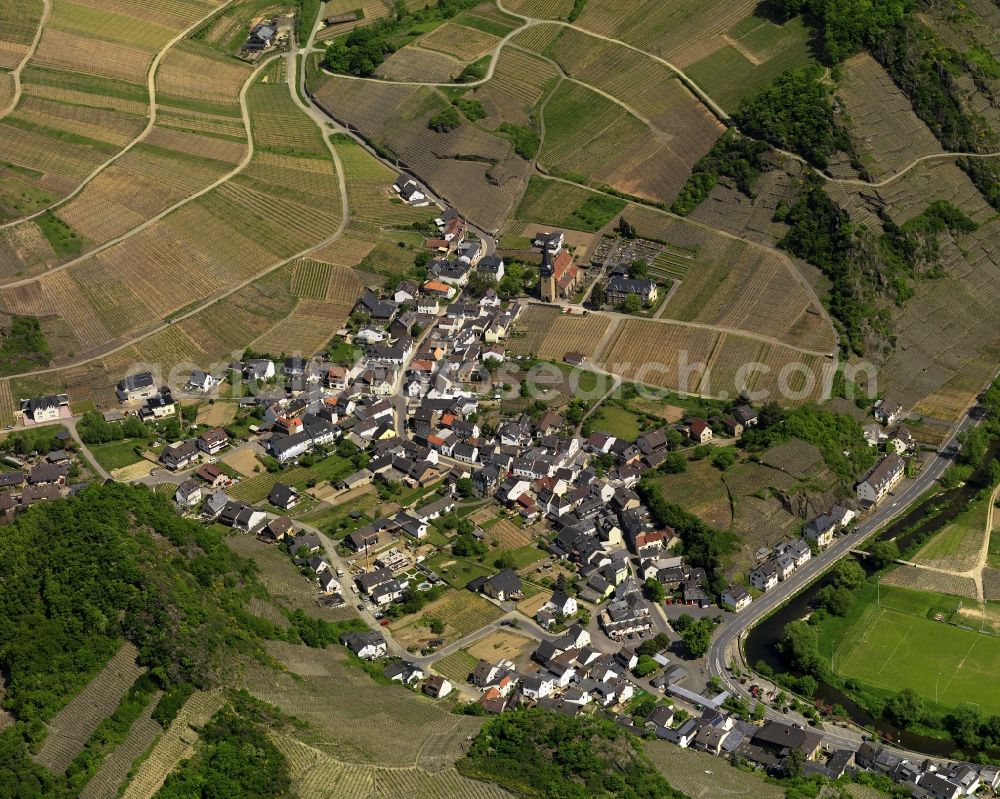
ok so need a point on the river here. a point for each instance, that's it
(761, 642)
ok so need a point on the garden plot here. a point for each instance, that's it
(883, 126)
(72, 726)
(462, 612)
(501, 645)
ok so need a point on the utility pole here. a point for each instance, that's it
(878, 591)
(936, 681)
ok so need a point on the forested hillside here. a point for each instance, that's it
(115, 563)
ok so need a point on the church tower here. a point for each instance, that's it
(547, 284)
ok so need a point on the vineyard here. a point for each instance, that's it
(18, 21)
(935, 582)
(176, 744)
(883, 126)
(286, 586)
(72, 726)
(520, 81)
(649, 88)
(653, 169)
(220, 239)
(685, 769)
(105, 784)
(458, 41)
(714, 292)
(942, 358)
(396, 116)
(363, 723)
(369, 187)
(456, 667)
(547, 333)
(700, 491)
(417, 64)
(958, 545)
(678, 31)
(753, 53)
(317, 775)
(552, 9)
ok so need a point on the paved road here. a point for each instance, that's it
(726, 644)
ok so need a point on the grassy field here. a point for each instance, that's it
(899, 643)
(116, 454)
(617, 422)
(565, 205)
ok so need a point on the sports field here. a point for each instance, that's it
(899, 644)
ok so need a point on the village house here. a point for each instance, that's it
(551, 241)
(135, 387)
(699, 431)
(212, 475)
(887, 411)
(881, 479)
(367, 645)
(45, 409)
(201, 381)
(437, 686)
(764, 577)
(503, 587)
(213, 441)
(188, 494)
(410, 191)
(736, 598)
(283, 496)
(179, 455)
